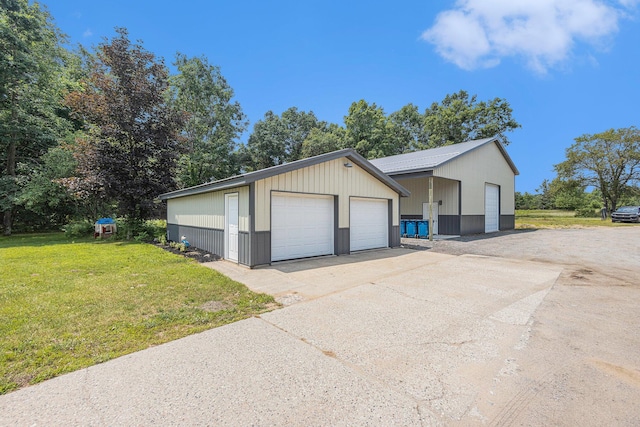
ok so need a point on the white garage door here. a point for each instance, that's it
(301, 226)
(368, 224)
(491, 208)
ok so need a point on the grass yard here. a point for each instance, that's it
(527, 219)
(68, 305)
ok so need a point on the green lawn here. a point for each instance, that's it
(68, 305)
(526, 219)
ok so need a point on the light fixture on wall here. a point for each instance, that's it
(348, 165)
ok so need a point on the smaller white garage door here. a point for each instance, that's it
(301, 226)
(491, 208)
(368, 223)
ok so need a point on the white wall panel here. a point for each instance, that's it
(486, 164)
(207, 210)
(329, 178)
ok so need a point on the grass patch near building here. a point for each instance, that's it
(68, 305)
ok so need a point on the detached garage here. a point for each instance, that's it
(467, 188)
(332, 204)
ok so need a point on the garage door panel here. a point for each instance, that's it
(301, 226)
(368, 223)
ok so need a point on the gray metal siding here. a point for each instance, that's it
(471, 224)
(507, 222)
(172, 232)
(244, 248)
(390, 231)
(260, 248)
(343, 244)
(394, 237)
(209, 239)
(449, 224)
(411, 216)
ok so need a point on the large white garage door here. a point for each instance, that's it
(368, 224)
(301, 226)
(491, 208)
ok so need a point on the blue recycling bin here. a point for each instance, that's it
(412, 229)
(403, 227)
(423, 229)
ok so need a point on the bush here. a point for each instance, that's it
(143, 236)
(77, 229)
(157, 228)
(142, 231)
(587, 212)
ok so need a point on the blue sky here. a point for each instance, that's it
(567, 67)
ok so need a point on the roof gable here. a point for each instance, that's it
(250, 177)
(428, 160)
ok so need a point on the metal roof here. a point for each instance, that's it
(247, 178)
(427, 160)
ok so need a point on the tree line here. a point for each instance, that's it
(86, 133)
(103, 131)
(600, 171)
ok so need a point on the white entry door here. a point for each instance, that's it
(491, 208)
(368, 224)
(231, 226)
(301, 226)
(425, 215)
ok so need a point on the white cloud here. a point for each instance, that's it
(87, 33)
(479, 33)
(629, 3)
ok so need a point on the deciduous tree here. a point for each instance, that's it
(279, 139)
(370, 132)
(214, 121)
(460, 117)
(133, 131)
(31, 88)
(608, 161)
(410, 129)
(324, 140)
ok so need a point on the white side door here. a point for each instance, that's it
(231, 226)
(425, 215)
(491, 208)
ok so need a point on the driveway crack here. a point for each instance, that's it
(355, 369)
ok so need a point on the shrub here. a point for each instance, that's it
(142, 231)
(76, 229)
(143, 236)
(157, 228)
(587, 212)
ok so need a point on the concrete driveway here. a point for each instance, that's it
(394, 337)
